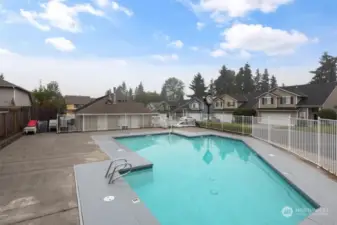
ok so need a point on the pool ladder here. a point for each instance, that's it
(117, 165)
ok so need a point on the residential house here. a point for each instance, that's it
(109, 113)
(74, 102)
(15, 109)
(166, 108)
(12, 95)
(224, 105)
(301, 101)
(194, 107)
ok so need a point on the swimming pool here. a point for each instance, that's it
(211, 180)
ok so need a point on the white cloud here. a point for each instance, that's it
(194, 48)
(239, 8)
(117, 7)
(200, 25)
(176, 44)
(219, 17)
(61, 44)
(4, 51)
(218, 53)
(166, 58)
(57, 14)
(102, 3)
(258, 38)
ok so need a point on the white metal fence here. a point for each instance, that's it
(101, 122)
(313, 140)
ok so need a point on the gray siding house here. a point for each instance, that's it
(12, 95)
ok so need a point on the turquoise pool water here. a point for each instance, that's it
(211, 181)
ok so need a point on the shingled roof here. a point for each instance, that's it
(4, 83)
(77, 99)
(102, 105)
(314, 94)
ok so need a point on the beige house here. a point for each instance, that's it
(300, 101)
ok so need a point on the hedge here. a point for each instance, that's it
(327, 114)
(231, 127)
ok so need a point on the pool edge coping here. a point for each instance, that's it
(189, 134)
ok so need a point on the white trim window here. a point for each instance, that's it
(195, 105)
(287, 100)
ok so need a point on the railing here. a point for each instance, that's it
(313, 140)
(234, 124)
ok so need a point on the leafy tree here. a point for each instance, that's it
(173, 89)
(326, 72)
(225, 82)
(265, 81)
(2, 77)
(248, 82)
(239, 81)
(49, 96)
(198, 86)
(273, 82)
(257, 80)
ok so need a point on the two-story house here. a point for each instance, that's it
(224, 105)
(74, 102)
(194, 107)
(300, 101)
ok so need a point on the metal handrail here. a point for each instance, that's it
(112, 179)
(112, 162)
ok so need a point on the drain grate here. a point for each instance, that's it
(135, 201)
(109, 198)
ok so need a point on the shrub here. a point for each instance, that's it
(327, 114)
(244, 112)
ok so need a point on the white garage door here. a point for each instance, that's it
(275, 118)
(224, 117)
(135, 121)
(196, 116)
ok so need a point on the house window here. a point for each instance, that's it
(291, 100)
(263, 101)
(230, 103)
(272, 101)
(194, 105)
(303, 115)
(217, 104)
(221, 104)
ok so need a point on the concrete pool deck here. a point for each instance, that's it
(313, 182)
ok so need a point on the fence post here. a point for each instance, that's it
(143, 122)
(289, 134)
(83, 123)
(319, 141)
(251, 128)
(125, 120)
(269, 130)
(242, 129)
(223, 115)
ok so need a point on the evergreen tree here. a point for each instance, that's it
(130, 93)
(198, 86)
(225, 82)
(2, 77)
(265, 81)
(326, 72)
(239, 81)
(273, 82)
(257, 80)
(248, 82)
(211, 88)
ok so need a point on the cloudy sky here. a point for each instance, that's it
(89, 46)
